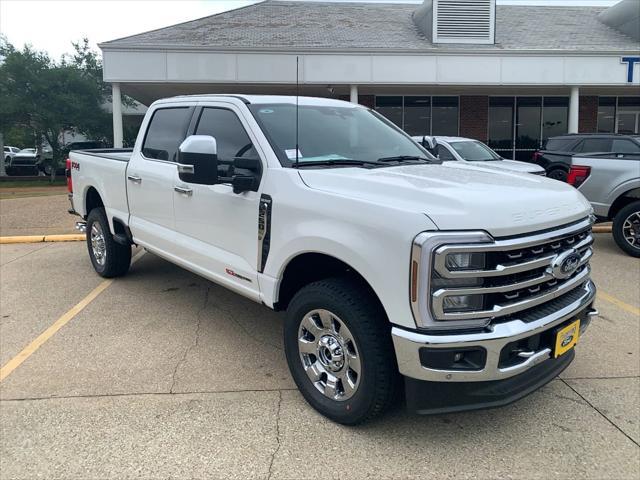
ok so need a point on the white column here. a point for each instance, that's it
(353, 94)
(117, 115)
(574, 109)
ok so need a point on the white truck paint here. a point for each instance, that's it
(379, 224)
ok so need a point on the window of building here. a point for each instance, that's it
(391, 108)
(167, 130)
(518, 126)
(619, 115)
(231, 138)
(421, 115)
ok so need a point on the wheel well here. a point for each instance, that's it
(92, 200)
(624, 200)
(311, 267)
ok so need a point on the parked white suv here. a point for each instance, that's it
(470, 287)
(469, 150)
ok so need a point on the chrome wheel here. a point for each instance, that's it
(631, 229)
(329, 355)
(98, 245)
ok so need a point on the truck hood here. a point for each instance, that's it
(459, 196)
(510, 165)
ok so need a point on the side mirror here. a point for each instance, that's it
(429, 142)
(198, 160)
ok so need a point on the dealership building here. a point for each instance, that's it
(510, 76)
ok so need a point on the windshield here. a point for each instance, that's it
(28, 150)
(335, 134)
(475, 151)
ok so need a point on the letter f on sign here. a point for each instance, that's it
(630, 61)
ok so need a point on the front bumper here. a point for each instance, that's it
(408, 344)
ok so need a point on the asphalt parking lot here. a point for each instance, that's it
(165, 375)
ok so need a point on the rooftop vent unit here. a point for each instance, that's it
(458, 21)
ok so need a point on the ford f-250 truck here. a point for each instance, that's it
(465, 287)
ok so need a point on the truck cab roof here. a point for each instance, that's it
(260, 99)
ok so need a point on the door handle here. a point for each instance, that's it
(134, 178)
(185, 191)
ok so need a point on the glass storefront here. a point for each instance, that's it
(421, 115)
(619, 115)
(518, 126)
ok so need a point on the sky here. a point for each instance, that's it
(51, 25)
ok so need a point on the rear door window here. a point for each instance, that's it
(167, 129)
(621, 145)
(559, 144)
(594, 145)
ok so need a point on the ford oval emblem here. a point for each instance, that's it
(567, 340)
(565, 264)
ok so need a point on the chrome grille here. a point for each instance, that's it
(518, 273)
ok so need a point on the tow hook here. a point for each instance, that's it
(81, 226)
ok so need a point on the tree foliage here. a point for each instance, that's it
(43, 97)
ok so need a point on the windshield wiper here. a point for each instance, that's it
(401, 158)
(337, 162)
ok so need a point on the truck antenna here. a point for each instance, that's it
(297, 94)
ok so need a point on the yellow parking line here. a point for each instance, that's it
(618, 303)
(16, 361)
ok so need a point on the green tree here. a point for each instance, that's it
(46, 97)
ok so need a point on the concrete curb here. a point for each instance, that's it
(602, 229)
(42, 238)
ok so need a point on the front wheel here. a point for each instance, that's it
(109, 258)
(626, 229)
(339, 350)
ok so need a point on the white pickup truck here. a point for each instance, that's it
(462, 287)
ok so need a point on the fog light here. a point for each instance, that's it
(465, 261)
(462, 303)
(468, 358)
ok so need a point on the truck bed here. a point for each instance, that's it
(105, 170)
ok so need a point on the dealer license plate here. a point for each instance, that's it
(566, 338)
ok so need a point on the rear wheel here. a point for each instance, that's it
(626, 229)
(558, 174)
(339, 350)
(109, 258)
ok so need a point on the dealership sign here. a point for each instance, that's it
(631, 62)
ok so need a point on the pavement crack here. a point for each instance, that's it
(141, 394)
(194, 344)
(600, 412)
(29, 253)
(277, 449)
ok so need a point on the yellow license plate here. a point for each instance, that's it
(566, 338)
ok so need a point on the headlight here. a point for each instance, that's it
(433, 295)
(465, 261)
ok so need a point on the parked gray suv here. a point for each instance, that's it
(611, 182)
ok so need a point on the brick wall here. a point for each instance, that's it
(474, 117)
(588, 115)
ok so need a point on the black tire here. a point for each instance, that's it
(618, 228)
(117, 257)
(558, 174)
(356, 308)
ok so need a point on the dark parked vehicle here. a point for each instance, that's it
(46, 165)
(556, 155)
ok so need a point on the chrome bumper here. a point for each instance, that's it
(408, 344)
